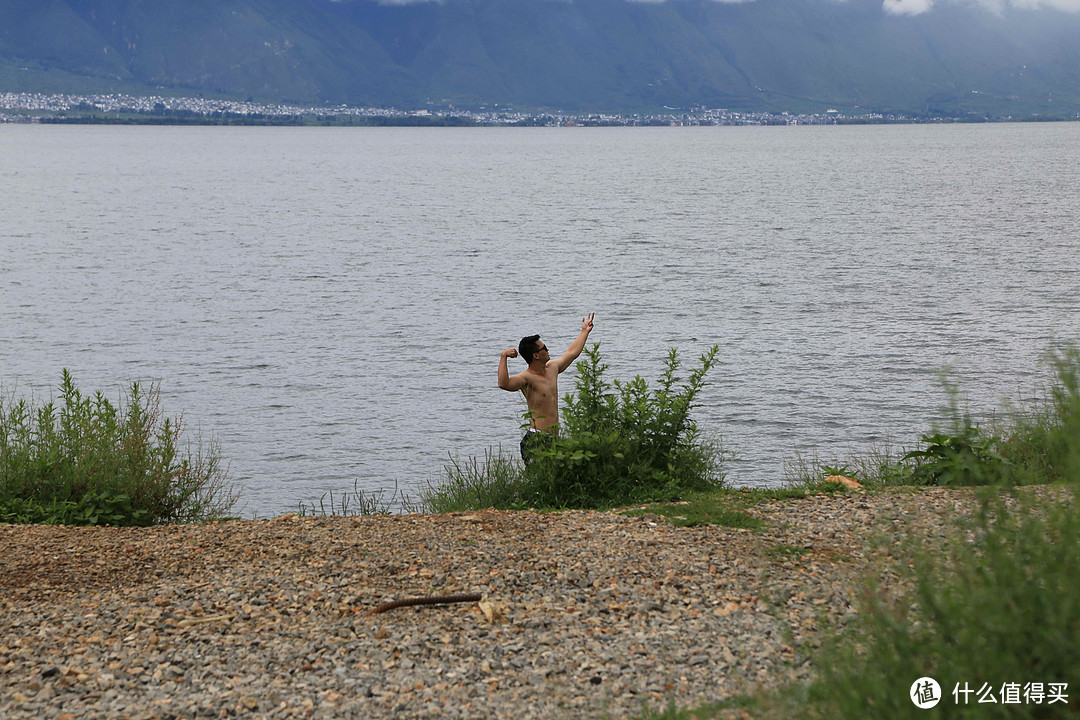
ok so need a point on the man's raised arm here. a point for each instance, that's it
(567, 358)
(505, 381)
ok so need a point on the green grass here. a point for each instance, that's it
(671, 711)
(720, 508)
(997, 603)
(356, 502)
(474, 484)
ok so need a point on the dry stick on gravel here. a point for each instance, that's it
(430, 600)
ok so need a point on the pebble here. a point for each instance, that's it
(601, 614)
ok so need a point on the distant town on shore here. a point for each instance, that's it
(120, 109)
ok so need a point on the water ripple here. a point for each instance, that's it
(347, 326)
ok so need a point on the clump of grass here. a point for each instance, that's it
(619, 443)
(1041, 441)
(473, 484)
(88, 461)
(357, 502)
(1024, 446)
(740, 706)
(786, 553)
(791, 492)
(713, 509)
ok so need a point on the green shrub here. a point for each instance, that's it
(91, 509)
(628, 446)
(618, 443)
(968, 456)
(87, 462)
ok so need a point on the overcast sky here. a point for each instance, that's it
(894, 7)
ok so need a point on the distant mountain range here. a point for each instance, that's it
(571, 55)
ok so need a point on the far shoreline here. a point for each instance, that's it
(123, 109)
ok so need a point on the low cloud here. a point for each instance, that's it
(1064, 5)
(393, 2)
(907, 7)
(918, 7)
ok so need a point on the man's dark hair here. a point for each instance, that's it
(528, 346)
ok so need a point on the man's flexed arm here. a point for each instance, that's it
(567, 358)
(505, 381)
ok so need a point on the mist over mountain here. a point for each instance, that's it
(908, 56)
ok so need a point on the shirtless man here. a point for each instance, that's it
(539, 383)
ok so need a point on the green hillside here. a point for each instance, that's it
(596, 55)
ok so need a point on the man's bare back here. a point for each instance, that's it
(539, 382)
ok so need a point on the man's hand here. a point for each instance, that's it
(567, 358)
(510, 352)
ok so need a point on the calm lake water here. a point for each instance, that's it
(330, 304)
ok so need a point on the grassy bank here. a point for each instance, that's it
(990, 612)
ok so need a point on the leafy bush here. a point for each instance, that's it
(966, 457)
(618, 443)
(91, 509)
(629, 446)
(88, 462)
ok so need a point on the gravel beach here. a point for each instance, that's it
(586, 614)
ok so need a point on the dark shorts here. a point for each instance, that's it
(534, 440)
